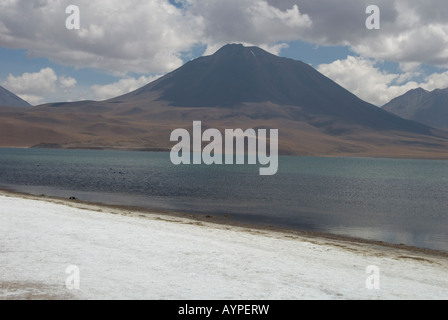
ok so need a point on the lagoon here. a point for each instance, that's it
(392, 200)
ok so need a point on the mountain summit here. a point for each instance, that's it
(430, 108)
(233, 75)
(237, 75)
(8, 98)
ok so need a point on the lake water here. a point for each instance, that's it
(396, 201)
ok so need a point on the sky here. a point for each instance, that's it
(123, 45)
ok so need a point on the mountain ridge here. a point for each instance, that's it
(427, 107)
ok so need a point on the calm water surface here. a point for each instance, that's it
(397, 201)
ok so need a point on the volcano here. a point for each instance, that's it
(236, 87)
(236, 75)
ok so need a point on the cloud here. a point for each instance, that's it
(116, 36)
(436, 81)
(67, 82)
(143, 36)
(123, 86)
(362, 77)
(32, 86)
(33, 83)
(411, 31)
(35, 87)
(249, 21)
(149, 36)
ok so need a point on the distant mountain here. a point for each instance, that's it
(237, 87)
(8, 98)
(430, 108)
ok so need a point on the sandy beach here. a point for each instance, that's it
(122, 254)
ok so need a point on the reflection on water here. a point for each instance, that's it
(397, 201)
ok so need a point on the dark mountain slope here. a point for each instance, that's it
(8, 98)
(430, 108)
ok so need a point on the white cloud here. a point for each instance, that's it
(251, 22)
(123, 86)
(67, 82)
(277, 24)
(117, 36)
(32, 86)
(36, 87)
(143, 36)
(412, 31)
(148, 36)
(436, 81)
(364, 79)
(409, 66)
(359, 76)
(43, 81)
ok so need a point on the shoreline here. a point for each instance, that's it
(432, 157)
(221, 221)
(122, 254)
